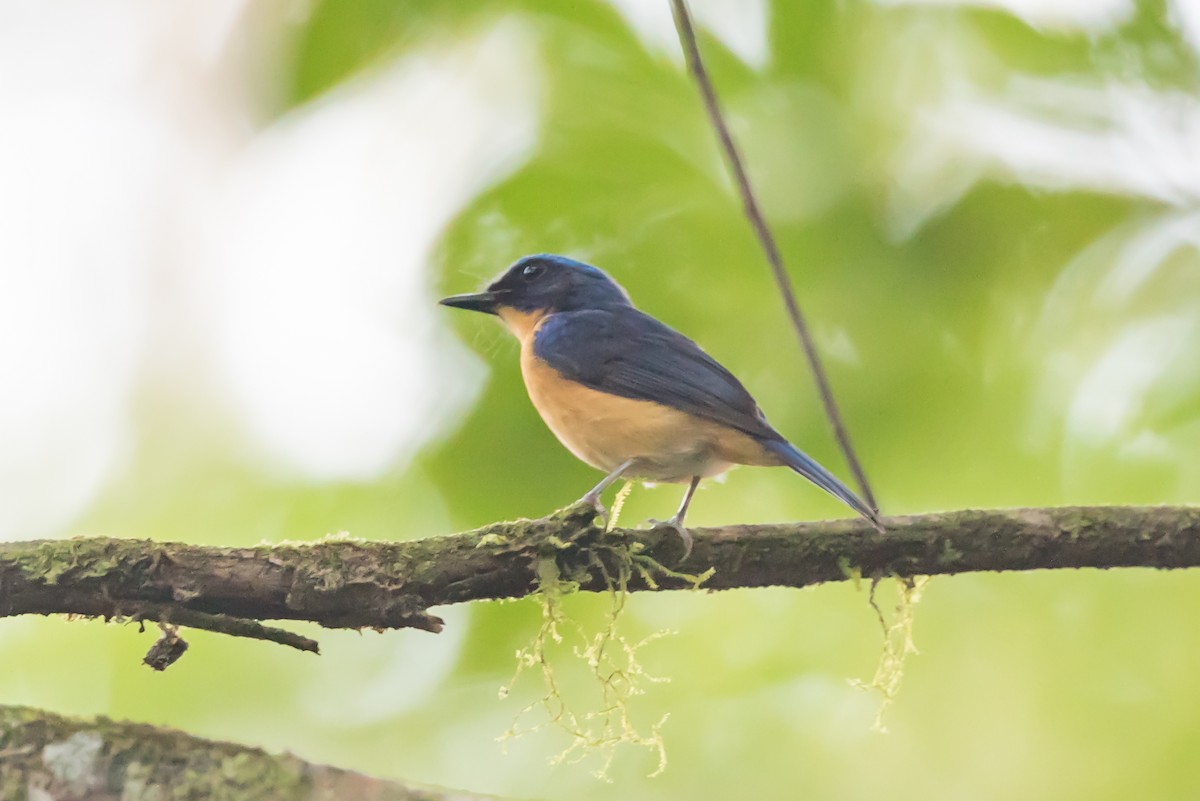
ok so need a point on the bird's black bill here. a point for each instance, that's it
(480, 301)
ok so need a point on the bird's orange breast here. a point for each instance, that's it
(605, 430)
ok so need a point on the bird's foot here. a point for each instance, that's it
(592, 499)
(685, 535)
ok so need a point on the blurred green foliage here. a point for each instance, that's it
(1041, 686)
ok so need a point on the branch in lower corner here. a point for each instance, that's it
(67, 758)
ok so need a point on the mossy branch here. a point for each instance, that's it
(355, 584)
(47, 756)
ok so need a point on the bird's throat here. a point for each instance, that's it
(522, 324)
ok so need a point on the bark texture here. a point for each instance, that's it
(355, 584)
(45, 757)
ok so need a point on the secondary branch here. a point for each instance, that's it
(48, 756)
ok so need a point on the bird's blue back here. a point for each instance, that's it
(622, 351)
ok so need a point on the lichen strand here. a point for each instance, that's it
(615, 670)
(610, 659)
(898, 644)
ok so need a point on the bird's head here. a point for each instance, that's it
(539, 285)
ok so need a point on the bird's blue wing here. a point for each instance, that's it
(628, 353)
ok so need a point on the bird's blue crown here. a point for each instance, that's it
(548, 282)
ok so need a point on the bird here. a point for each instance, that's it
(628, 394)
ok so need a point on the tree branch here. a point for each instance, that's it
(48, 756)
(691, 52)
(355, 584)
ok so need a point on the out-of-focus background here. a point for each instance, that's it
(223, 228)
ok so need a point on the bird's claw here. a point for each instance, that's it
(684, 534)
(601, 510)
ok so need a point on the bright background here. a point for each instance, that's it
(226, 224)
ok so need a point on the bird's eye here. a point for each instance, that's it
(532, 271)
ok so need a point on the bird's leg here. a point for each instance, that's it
(676, 522)
(592, 498)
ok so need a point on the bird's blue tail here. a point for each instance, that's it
(803, 464)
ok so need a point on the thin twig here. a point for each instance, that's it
(691, 50)
(175, 614)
